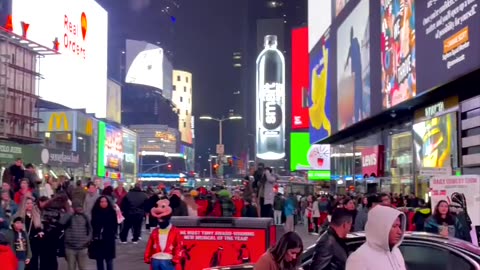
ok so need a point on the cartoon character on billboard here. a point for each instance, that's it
(437, 142)
(216, 259)
(317, 110)
(164, 246)
(244, 254)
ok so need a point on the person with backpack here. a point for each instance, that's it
(78, 234)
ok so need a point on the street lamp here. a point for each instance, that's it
(220, 123)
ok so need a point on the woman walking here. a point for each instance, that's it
(285, 255)
(104, 224)
(30, 213)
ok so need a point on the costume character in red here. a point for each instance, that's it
(166, 238)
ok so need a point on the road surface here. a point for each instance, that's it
(130, 256)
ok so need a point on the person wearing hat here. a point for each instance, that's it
(7, 256)
(18, 240)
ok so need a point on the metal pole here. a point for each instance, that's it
(210, 158)
(220, 131)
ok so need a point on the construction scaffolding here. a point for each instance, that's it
(19, 77)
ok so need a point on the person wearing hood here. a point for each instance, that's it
(226, 203)
(384, 232)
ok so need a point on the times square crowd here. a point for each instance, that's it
(42, 221)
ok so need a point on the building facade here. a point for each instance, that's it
(182, 98)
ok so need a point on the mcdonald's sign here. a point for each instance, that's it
(89, 127)
(60, 120)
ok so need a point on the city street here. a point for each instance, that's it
(130, 256)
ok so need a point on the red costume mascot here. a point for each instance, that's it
(164, 245)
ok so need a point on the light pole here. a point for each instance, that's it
(220, 130)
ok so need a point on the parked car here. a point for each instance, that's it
(420, 250)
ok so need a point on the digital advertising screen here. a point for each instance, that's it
(320, 105)
(77, 77)
(319, 20)
(435, 141)
(212, 247)
(398, 52)
(307, 157)
(447, 39)
(144, 63)
(300, 79)
(353, 66)
(113, 147)
(338, 6)
(114, 101)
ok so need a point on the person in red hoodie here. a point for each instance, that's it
(7, 256)
(239, 204)
(25, 191)
(202, 202)
(119, 193)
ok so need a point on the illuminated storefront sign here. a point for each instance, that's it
(373, 161)
(270, 107)
(60, 120)
(165, 136)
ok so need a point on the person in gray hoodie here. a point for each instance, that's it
(78, 234)
(90, 199)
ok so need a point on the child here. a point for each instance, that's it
(19, 242)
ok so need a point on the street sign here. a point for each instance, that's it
(435, 171)
(220, 149)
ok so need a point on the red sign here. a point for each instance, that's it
(373, 161)
(300, 79)
(210, 247)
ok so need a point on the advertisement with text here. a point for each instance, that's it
(211, 247)
(436, 141)
(448, 39)
(113, 148)
(353, 66)
(320, 90)
(300, 78)
(398, 51)
(78, 30)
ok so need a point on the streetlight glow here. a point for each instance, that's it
(206, 117)
(235, 117)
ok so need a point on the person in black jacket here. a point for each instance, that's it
(133, 209)
(104, 225)
(331, 251)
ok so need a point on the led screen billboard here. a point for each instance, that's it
(300, 78)
(398, 52)
(113, 147)
(307, 157)
(114, 101)
(319, 19)
(435, 141)
(321, 75)
(76, 78)
(338, 5)
(353, 66)
(144, 63)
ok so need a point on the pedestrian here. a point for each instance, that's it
(8, 208)
(179, 207)
(289, 210)
(331, 250)
(17, 173)
(278, 206)
(33, 180)
(7, 256)
(78, 234)
(444, 223)
(266, 193)
(316, 215)
(119, 193)
(78, 193)
(6, 187)
(133, 209)
(108, 192)
(90, 199)
(352, 208)
(192, 206)
(19, 242)
(104, 225)
(285, 255)
(239, 203)
(384, 232)
(226, 203)
(30, 213)
(362, 215)
(23, 192)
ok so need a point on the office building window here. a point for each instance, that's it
(186, 78)
(186, 113)
(174, 87)
(181, 99)
(185, 124)
(178, 78)
(185, 89)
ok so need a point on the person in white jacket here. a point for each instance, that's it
(384, 232)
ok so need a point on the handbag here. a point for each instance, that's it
(95, 247)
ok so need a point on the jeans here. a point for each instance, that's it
(76, 258)
(101, 265)
(277, 214)
(133, 222)
(21, 265)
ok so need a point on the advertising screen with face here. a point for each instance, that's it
(77, 77)
(144, 63)
(113, 148)
(435, 141)
(353, 66)
(398, 52)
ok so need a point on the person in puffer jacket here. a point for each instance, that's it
(384, 232)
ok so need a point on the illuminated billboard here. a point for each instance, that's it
(398, 52)
(353, 67)
(300, 79)
(182, 98)
(76, 78)
(270, 101)
(319, 20)
(113, 147)
(114, 101)
(306, 157)
(144, 62)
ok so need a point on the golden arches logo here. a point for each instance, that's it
(57, 118)
(89, 127)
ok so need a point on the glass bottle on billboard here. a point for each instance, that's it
(270, 101)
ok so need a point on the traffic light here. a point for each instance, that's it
(230, 162)
(215, 168)
(169, 166)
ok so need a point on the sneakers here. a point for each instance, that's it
(123, 242)
(135, 242)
